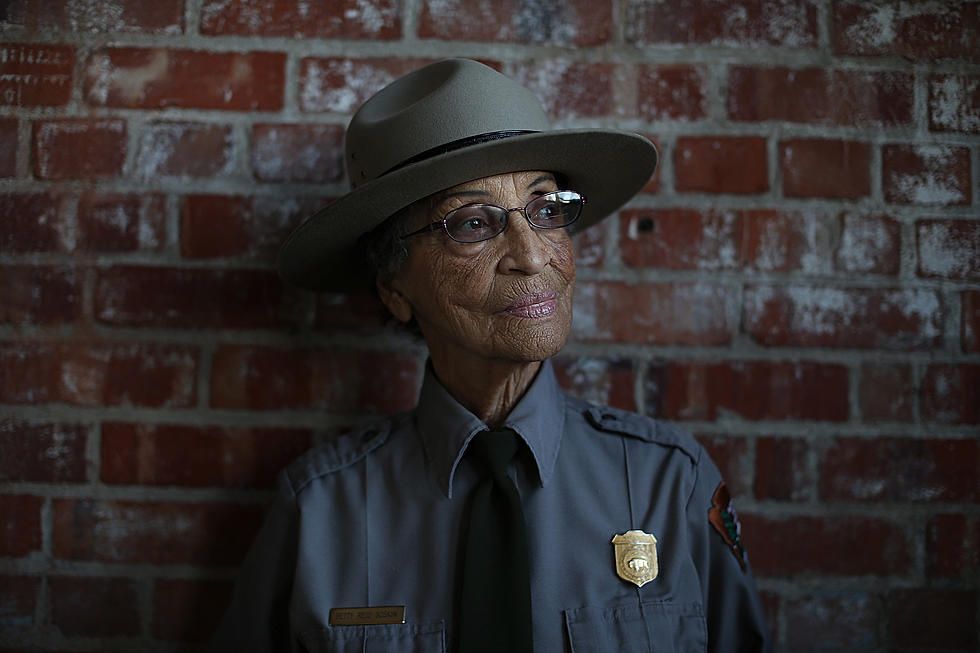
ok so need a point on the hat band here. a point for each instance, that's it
(458, 145)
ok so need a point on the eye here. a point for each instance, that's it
(475, 222)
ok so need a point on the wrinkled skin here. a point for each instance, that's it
(490, 312)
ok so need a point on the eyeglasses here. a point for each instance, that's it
(476, 222)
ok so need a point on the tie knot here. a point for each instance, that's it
(494, 449)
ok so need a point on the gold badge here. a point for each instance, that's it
(636, 557)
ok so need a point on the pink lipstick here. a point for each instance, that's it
(534, 305)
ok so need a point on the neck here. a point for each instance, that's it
(487, 388)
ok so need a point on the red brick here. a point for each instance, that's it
(894, 469)
(304, 152)
(830, 316)
(868, 244)
(912, 30)
(186, 149)
(731, 455)
(778, 241)
(35, 74)
(752, 390)
(952, 545)
(95, 607)
(39, 295)
(842, 545)
(9, 142)
(970, 320)
(266, 378)
(51, 453)
(18, 596)
(954, 103)
(346, 19)
(155, 78)
(79, 148)
(926, 174)
(933, 618)
(680, 313)
(948, 249)
(653, 186)
(132, 295)
(93, 374)
(31, 223)
(781, 470)
(721, 164)
(341, 85)
(833, 622)
(820, 96)
(121, 223)
(153, 532)
(356, 310)
(672, 92)
(604, 381)
(147, 16)
(569, 88)
(188, 610)
(679, 239)
(20, 531)
(589, 248)
(197, 456)
(887, 392)
(949, 394)
(748, 23)
(580, 23)
(814, 167)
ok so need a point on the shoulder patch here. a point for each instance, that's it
(623, 422)
(336, 454)
(723, 517)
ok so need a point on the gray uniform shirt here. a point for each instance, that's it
(373, 519)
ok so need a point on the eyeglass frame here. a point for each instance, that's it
(434, 226)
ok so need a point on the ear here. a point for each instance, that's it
(393, 300)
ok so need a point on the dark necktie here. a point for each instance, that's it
(495, 596)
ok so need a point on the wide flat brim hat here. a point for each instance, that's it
(442, 125)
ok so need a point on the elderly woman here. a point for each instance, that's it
(500, 514)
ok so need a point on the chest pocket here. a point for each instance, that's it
(657, 627)
(401, 638)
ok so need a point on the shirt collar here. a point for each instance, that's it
(446, 427)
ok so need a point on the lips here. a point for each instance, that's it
(533, 305)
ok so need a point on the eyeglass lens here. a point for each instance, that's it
(475, 222)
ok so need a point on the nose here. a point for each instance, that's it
(526, 249)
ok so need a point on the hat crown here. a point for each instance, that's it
(434, 106)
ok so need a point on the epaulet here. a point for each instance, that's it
(338, 453)
(648, 429)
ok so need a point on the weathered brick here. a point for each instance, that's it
(731, 454)
(781, 470)
(662, 313)
(820, 96)
(752, 390)
(47, 453)
(155, 78)
(887, 392)
(345, 19)
(133, 295)
(185, 149)
(830, 316)
(39, 295)
(747, 23)
(680, 239)
(589, 248)
(197, 456)
(952, 545)
(20, 531)
(354, 310)
(35, 74)
(937, 619)
(604, 381)
(570, 88)
(579, 23)
(79, 148)
(926, 174)
(341, 85)
(30, 222)
(9, 142)
(970, 320)
(868, 244)
(95, 607)
(671, 92)
(913, 30)
(120, 223)
(298, 152)
(949, 394)
(954, 103)
(948, 249)
(18, 596)
(839, 621)
(153, 532)
(188, 610)
(815, 167)
(780, 241)
(721, 164)
(897, 469)
(267, 378)
(97, 374)
(147, 16)
(800, 545)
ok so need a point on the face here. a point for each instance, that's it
(507, 298)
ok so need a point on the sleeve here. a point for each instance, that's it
(258, 617)
(736, 622)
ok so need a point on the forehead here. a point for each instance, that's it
(519, 181)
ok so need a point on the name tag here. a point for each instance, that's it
(367, 616)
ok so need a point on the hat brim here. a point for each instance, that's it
(607, 166)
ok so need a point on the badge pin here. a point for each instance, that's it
(636, 557)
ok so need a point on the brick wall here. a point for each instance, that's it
(799, 286)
